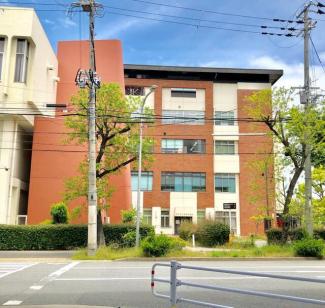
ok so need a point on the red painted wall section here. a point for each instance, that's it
(51, 161)
(247, 146)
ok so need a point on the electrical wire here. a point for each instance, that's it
(319, 59)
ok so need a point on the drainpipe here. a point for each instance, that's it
(12, 170)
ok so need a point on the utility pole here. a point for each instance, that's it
(90, 79)
(306, 99)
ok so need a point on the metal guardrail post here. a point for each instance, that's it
(173, 283)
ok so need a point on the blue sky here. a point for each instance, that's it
(159, 43)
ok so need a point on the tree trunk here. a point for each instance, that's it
(100, 230)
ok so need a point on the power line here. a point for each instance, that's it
(319, 59)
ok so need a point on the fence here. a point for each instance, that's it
(174, 283)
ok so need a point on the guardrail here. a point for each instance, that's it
(175, 283)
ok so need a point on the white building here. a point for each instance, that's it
(28, 76)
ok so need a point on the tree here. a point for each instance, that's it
(261, 194)
(59, 213)
(318, 204)
(117, 133)
(292, 128)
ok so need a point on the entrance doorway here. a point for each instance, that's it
(179, 220)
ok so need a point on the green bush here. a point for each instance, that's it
(186, 229)
(309, 247)
(59, 213)
(129, 216)
(129, 239)
(177, 244)
(319, 234)
(156, 245)
(298, 234)
(59, 237)
(274, 236)
(212, 233)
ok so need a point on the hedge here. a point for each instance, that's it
(59, 237)
(274, 235)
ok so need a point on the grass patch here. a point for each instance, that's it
(107, 253)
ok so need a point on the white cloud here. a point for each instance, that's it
(293, 74)
(66, 23)
(217, 64)
(322, 57)
(49, 22)
(112, 32)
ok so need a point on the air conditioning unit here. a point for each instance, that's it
(21, 220)
(107, 220)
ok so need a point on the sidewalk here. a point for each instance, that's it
(32, 255)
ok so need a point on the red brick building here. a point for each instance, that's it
(202, 146)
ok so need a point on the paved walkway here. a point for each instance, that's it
(46, 255)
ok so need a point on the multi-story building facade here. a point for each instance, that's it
(28, 78)
(203, 144)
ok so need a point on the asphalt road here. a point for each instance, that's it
(127, 284)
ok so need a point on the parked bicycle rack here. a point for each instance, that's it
(174, 283)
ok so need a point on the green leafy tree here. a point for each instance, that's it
(129, 216)
(261, 194)
(318, 205)
(117, 133)
(59, 213)
(292, 128)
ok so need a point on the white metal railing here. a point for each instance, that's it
(174, 283)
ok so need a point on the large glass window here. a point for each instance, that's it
(147, 217)
(224, 147)
(200, 216)
(165, 219)
(146, 180)
(175, 146)
(183, 117)
(224, 217)
(22, 58)
(225, 183)
(224, 118)
(2, 49)
(183, 182)
(180, 92)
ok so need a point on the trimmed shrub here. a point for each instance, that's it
(156, 245)
(309, 248)
(59, 213)
(298, 234)
(212, 233)
(274, 236)
(59, 237)
(319, 234)
(186, 229)
(129, 216)
(177, 244)
(129, 239)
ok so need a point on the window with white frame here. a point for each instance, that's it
(224, 118)
(185, 117)
(223, 217)
(225, 183)
(147, 217)
(22, 58)
(2, 50)
(146, 180)
(180, 146)
(224, 147)
(165, 219)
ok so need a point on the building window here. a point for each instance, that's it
(174, 146)
(225, 183)
(147, 217)
(134, 91)
(180, 92)
(224, 147)
(200, 216)
(183, 182)
(146, 180)
(2, 50)
(183, 117)
(224, 218)
(165, 219)
(224, 118)
(22, 58)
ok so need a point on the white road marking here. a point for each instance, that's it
(15, 270)
(36, 287)
(12, 303)
(147, 278)
(39, 285)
